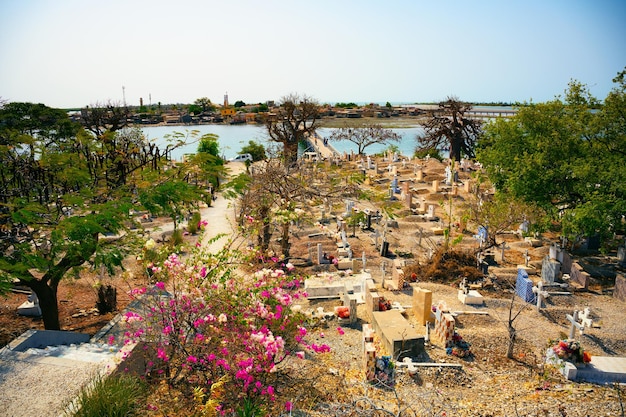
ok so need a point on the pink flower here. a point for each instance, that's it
(192, 359)
(340, 331)
(288, 406)
(160, 285)
(162, 355)
(300, 354)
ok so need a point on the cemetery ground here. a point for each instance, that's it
(485, 383)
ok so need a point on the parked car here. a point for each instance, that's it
(242, 158)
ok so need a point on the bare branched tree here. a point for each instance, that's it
(292, 122)
(449, 127)
(365, 136)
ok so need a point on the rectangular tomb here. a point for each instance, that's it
(398, 337)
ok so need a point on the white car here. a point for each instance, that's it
(242, 158)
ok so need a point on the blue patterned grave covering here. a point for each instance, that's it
(524, 286)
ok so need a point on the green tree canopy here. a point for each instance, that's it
(62, 189)
(205, 104)
(255, 149)
(565, 157)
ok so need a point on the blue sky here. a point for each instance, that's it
(72, 53)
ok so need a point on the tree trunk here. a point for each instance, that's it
(509, 351)
(290, 152)
(284, 242)
(48, 303)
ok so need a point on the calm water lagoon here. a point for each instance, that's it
(233, 137)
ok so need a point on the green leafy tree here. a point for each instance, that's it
(194, 109)
(365, 136)
(255, 149)
(205, 104)
(449, 127)
(565, 157)
(207, 164)
(294, 120)
(62, 190)
(239, 103)
(172, 197)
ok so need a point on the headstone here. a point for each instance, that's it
(431, 212)
(422, 305)
(349, 207)
(448, 175)
(524, 286)
(579, 277)
(482, 235)
(566, 262)
(467, 186)
(408, 199)
(549, 270)
(394, 185)
(541, 294)
(419, 175)
(573, 319)
(406, 187)
(384, 249)
(435, 188)
(350, 301)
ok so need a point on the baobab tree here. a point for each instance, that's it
(291, 123)
(448, 127)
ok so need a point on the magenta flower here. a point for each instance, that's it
(340, 331)
(160, 285)
(288, 406)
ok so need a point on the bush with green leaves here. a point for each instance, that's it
(113, 396)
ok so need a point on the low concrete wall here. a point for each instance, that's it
(43, 338)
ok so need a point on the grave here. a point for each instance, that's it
(422, 305)
(444, 324)
(350, 301)
(602, 370)
(372, 299)
(550, 269)
(467, 296)
(398, 337)
(578, 277)
(333, 286)
(524, 286)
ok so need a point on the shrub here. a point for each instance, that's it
(121, 396)
(214, 326)
(194, 223)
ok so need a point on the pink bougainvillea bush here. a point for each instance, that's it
(209, 324)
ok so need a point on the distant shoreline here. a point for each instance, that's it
(325, 122)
